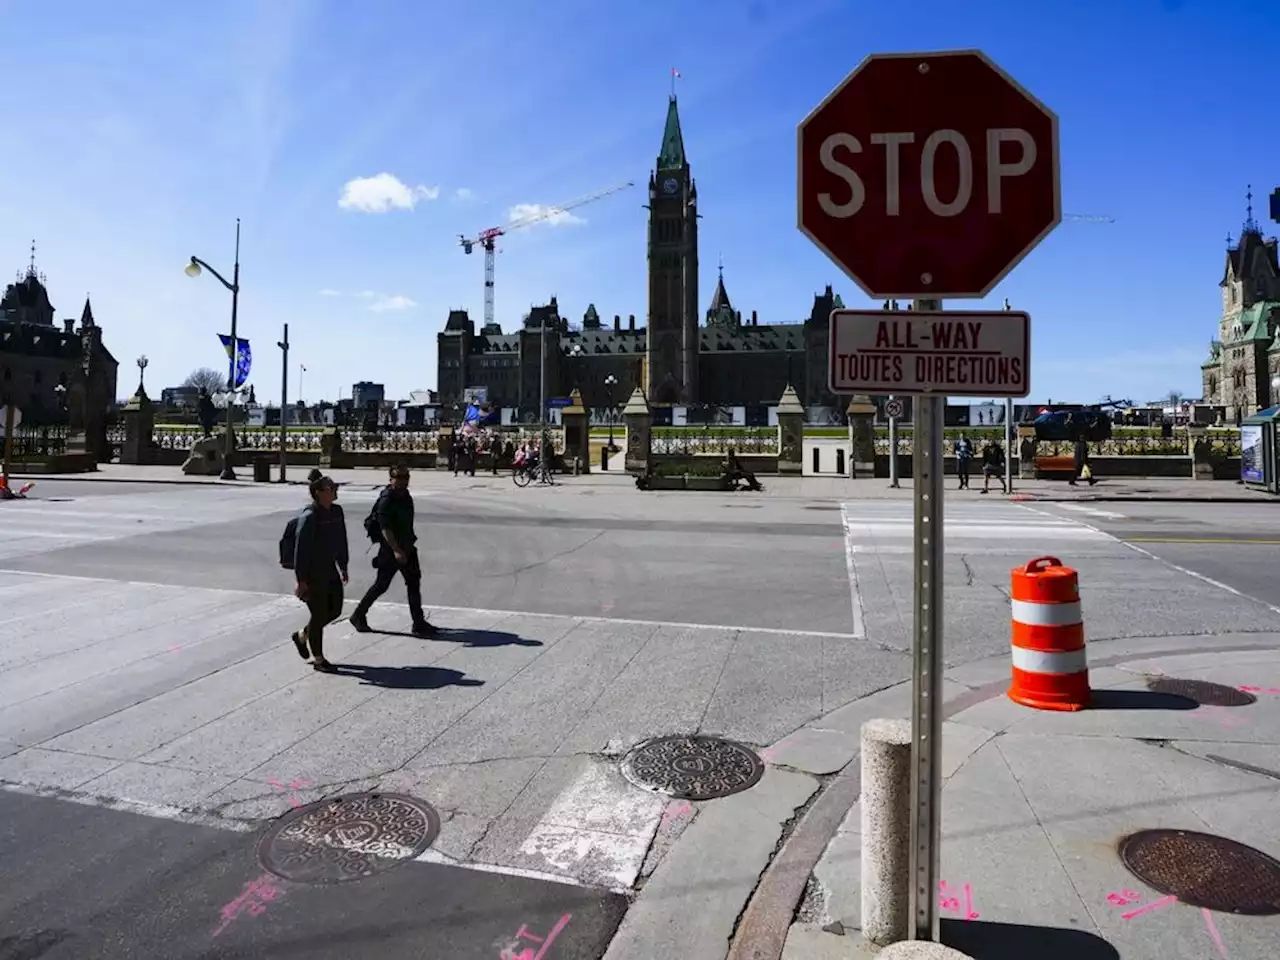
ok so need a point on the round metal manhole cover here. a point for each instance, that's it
(693, 768)
(1203, 870)
(1202, 692)
(348, 838)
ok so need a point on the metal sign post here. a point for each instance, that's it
(11, 421)
(926, 682)
(283, 344)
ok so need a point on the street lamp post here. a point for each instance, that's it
(194, 269)
(142, 362)
(609, 383)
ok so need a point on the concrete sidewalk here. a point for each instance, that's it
(1035, 804)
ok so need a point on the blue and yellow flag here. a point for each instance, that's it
(243, 357)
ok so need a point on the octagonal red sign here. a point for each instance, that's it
(928, 174)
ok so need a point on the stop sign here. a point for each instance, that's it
(928, 174)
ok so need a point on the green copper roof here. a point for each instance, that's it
(671, 156)
(837, 303)
(1256, 319)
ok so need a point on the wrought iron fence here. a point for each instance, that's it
(690, 441)
(1142, 442)
(36, 443)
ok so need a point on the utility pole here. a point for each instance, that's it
(9, 428)
(283, 344)
(1009, 434)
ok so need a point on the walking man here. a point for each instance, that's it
(320, 565)
(964, 459)
(390, 526)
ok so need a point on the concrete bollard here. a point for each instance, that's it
(920, 950)
(886, 830)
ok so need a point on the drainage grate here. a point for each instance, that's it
(348, 837)
(693, 768)
(1202, 692)
(1203, 870)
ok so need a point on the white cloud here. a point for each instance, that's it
(383, 193)
(368, 294)
(549, 215)
(383, 303)
(330, 292)
(463, 193)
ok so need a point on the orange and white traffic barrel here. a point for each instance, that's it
(1050, 666)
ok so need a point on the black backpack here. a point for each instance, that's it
(289, 542)
(371, 525)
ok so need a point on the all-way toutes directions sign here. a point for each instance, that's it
(966, 353)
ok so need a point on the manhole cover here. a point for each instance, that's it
(822, 506)
(693, 768)
(1202, 692)
(348, 838)
(1202, 870)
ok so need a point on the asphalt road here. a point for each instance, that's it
(85, 883)
(1233, 544)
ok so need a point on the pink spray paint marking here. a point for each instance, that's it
(293, 785)
(544, 943)
(766, 754)
(174, 648)
(253, 900)
(674, 811)
(1249, 689)
(950, 904)
(1213, 932)
(1154, 905)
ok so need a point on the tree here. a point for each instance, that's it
(208, 379)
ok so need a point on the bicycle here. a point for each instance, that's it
(526, 473)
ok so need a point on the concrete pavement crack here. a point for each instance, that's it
(724, 664)
(995, 741)
(968, 570)
(560, 555)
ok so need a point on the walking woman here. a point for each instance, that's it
(320, 565)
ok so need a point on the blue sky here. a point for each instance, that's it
(139, 130)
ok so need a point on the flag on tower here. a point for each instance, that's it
(675, 74)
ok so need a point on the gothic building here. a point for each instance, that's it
(42, 364)
(676, 356)
(1242, 372)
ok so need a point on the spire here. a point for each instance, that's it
(1250, 224)
(672, 157)
(86, 315)
(31, 268)
(720, 299)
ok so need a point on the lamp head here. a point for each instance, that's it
(192, 268)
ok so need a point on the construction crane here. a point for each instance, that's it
(487, 239)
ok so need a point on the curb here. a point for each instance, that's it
(99, 478)
(766, 918)
(1140, 498)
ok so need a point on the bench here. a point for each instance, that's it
(1055, 468)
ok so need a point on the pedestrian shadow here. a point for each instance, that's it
(472, 638)
(1014, 941)
(406, 678)
(1108, 699)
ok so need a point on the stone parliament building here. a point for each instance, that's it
(53, 372)
(721, 359)
(1242, 372)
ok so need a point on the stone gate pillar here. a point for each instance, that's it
(577, 433)
(790, 434)
(139, 418)
(639, 423)
(862, 436)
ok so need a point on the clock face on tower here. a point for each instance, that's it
(670, 186)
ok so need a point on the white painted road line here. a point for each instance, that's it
(855, 595)
(1092, 511)
(598, 830)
